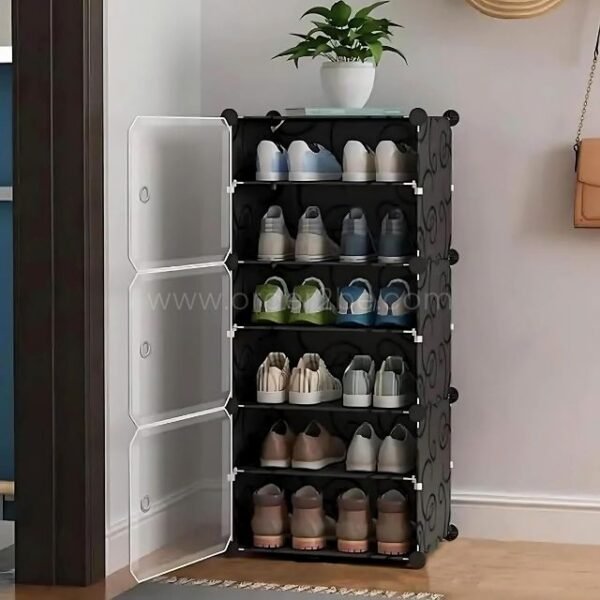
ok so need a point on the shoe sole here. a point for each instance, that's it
(395, 177)
(269, 541)
(393, 548)
(312, 176)
(271, 176)
(280, 318)
(393, 401)
(322, 319)
(353, 547)
(358, 260)
(358, 400)
(313, 398)
(317, 543)
(272, 397)
(311, 258)
(393, 260)
(275, 464)
(359, 177)
(316, 465)
(396, 469)
(360, 320)
(358, 468)
(394, 321)
(275, 257)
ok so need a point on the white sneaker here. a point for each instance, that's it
(313, 243)
(275, 242)
(364, 450)
(312, 162)
(271, 162)
(359, 380)
(398, 452)
(312, 383)
(359, 162)
(395, 163)
(272, 379)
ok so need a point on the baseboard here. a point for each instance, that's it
(505, 517)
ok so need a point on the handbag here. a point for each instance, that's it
(587, 197)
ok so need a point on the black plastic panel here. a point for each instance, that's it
(434, 376)
(434, 232)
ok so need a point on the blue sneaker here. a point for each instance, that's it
(356, 305)
(271, 162)
(312, 162)
(357, 241)
(393, 308)
(394, 243)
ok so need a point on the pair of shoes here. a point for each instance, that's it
(305, 161)
(308, 384)
(309, 304)
(393, 386)
(308, 524)
(315, 245)
(312, 245)
(313, 449)
(354, 528)
(390, 163)
(302, 161)
(357, 241)
(397, 453)
(356, 305)
(310, 527)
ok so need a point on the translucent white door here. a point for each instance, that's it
(180, 345)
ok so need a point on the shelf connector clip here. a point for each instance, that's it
(451, 464)
(231, 188)
(231, 333)
(418, 486)
(419, 191)
(418, 338)
(452, 188)
(231, 477)
(451, 326)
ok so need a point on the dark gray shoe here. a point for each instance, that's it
(394, 243)
(357, 241)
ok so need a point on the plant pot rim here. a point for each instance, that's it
(348, 65)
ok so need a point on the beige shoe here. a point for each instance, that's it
(277, 447)
(309, 523)
(394, 532)
(316, 448)
(354, 526)
(272, 379)
(312, 383)
(270, 523)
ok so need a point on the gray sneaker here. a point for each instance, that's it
(313, 243)
(394, 243)
(395, 385)
(398, 452)
(359, 380)
(357, 241)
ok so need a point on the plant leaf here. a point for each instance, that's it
(356, 22)
(369, 9)
(395, 51)
(318, 10)
(287, 52)
(376, 51)
(340, 13)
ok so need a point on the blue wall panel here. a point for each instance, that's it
(6, 282)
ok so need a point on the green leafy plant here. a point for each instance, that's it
(343, 36)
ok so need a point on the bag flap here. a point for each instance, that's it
(589, 162)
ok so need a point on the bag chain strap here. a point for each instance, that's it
(588, 93)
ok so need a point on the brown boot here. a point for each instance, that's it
(277, 447)
(309, 524)
(394, 532)
(354, 524)
(316, 448)
(270, 523)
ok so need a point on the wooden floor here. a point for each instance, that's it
(463, 570)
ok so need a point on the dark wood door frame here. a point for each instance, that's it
(59, 291)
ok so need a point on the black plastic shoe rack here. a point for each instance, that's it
(427, 204)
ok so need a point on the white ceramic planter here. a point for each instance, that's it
(348, 84)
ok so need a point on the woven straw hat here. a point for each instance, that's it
(514, 9)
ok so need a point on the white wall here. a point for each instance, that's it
(526, 443)
(5, 23)
(152, 67)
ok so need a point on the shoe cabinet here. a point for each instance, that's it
(194, 221)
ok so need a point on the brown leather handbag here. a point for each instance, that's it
(587, 198)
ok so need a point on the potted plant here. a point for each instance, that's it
(352, 44)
